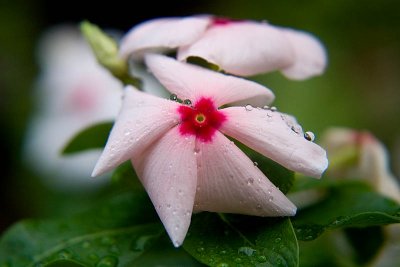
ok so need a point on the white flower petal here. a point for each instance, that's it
(273, 134)
(192, 82)
(229, 182)
(143, 119)
(160, 34)
(309, 53)
(168, 172)
(242, 48)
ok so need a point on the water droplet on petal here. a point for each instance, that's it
(108, 261)
(273, 108)
(250, 181)
(173, 97)
(265, 107)
(261, 258)
(310, 136)
(248, 107)
(187, 102)
(255, 163)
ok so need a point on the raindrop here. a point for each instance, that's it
(255, 163)
(310, 136)
(173, 97)
(187, 102)
(176, 227)
(86, 244)
(270, 198)
(277, 240)
(309, 237)
(200, 249)
(246, 250)
(108, 261)
(93, 257)
(273, 108)
(127, 132)
(223, 264)
(250, 181)
(223, 252)
(64, 254)
(248, 107)
(261, 258)
(265, 107)
(238, 260)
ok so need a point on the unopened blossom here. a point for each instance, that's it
(185, 161)
(360, 155)
(72, 93)
(240, 47)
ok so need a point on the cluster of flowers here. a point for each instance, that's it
(178, 146)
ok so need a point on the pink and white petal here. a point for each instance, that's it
(168, 172)
(275, 135)
(164, 33)
(142, 120)
(309, 53)
(242, 48)
(229, 182)
(192, 82)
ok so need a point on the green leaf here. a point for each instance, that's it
(235, 240)
(199, 61)
(92, 137)
(346, 205)
(116, 231)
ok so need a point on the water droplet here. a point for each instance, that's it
(174, 212)
(173, 97)
(265, 107)
(310, 136)
(223, 252)
(273, 108)
(200, 249)
(309, 237)
(187, 102)
(246, 250)
(127, 132)
(223, 264)
(108, 261)
(270, 198)
(86, 245)
(107, 241)
(64, 254)
(176, 227)
(93, 257)
(250, 181)
(238, 260)
(255, 163)
(261, 258)
(277, 240)
(248, 107)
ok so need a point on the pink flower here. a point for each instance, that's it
(182, 157)
(242, 47)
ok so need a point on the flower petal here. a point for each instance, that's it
(168, 172)
(164, 33)
(275, 135)
(192, 82)
(242, 48)
(229, 182)
(143, 119)
(309, 53)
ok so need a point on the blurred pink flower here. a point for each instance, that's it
(182, 157)
(73, 92)
(239, 47)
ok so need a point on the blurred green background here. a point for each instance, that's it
(360, 88)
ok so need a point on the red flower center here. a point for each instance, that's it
(201, 120)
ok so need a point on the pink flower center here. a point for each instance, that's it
(201, 120)
(221, 21)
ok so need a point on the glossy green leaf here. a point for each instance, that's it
(199, 61)
(92, 137)
(345, 205)
(233, 240)
(114, 233)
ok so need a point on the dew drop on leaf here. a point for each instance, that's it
(246, 250)
(200, 249)
(261, 258)
(223, 264)
(108, 261)
(64, 254)
(277, 240)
